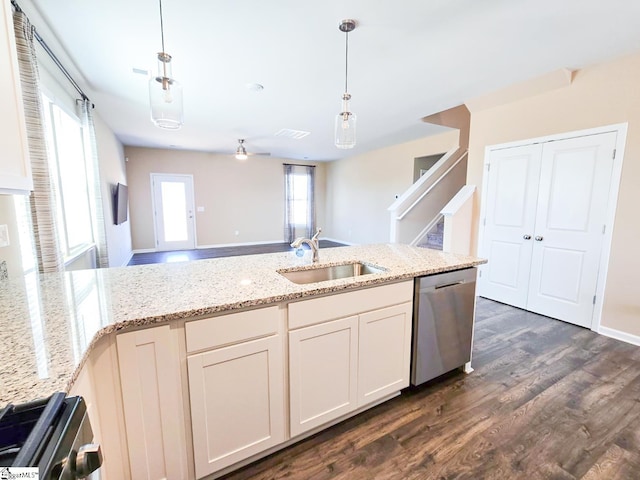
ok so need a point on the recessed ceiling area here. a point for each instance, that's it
(407, 60)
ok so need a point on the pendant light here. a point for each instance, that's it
(345, 126)
(165, 92)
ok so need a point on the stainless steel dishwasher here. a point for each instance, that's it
(443, 312)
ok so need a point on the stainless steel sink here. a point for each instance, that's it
(334, 272)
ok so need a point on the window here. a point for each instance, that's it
(299, 201)
(68, 165)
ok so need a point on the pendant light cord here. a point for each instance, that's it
(161, 27)
(346, 62)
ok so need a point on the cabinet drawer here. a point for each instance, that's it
(317, 310)
(232, 328)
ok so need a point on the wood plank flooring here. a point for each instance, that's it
(547, 400)
(202, 253)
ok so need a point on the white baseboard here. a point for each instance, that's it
(144, 250)
(618, 335)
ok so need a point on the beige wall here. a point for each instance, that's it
(362, 187)
(112, 172)
(244, 196)
(601, 95)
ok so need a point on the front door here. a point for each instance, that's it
(173, 207)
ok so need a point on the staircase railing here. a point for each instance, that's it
(458, 215)
(418, 209)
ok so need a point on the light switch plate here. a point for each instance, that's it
(4, 236)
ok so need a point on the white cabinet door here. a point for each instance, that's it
(384, 352)
(237, 402)
(15, 171)
(512, 195)
(151, 394)
(571, 213)
(323, 373)
(545, 216)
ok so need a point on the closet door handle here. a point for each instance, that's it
(539, 238)
(527, 237)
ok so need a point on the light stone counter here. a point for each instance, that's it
(49, 323)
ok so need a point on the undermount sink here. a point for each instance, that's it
(333, 272)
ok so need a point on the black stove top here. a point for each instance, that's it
(40, 433)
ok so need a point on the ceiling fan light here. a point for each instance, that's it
(241, 152)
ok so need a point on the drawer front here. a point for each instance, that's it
(232, 328)
(317, 310)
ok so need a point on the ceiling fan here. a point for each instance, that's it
(241, 151)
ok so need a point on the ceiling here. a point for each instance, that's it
(408, 59)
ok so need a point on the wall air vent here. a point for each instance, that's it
(289, 133)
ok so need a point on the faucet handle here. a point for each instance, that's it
(315, 237)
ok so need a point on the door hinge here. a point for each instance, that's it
(604, 229)
(484, 222)
(594, 299)
(480, 274)
(488, 167)
(614, 153)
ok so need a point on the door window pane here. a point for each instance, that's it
(174, 208)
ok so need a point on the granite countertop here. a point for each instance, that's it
(49, 323)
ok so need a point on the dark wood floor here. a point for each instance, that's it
(547, 400)
(199, 254)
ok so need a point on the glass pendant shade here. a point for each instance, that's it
(345, 127)
(165, 96)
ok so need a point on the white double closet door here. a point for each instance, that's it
(544, 225)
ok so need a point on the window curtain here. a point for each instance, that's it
(95, 192)
(43, 197)
(311, 201)
(289, 220)
(289, 227)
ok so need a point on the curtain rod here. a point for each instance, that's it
(53, 56)
(299, 165)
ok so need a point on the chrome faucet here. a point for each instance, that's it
(313, 244)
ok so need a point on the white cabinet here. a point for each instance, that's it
(15, 172)
(236, 387)
(384, 352)
(347, 351)
(323, 373)
(152, 401)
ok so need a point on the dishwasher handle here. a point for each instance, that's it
(446, 285)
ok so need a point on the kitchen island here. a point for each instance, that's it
(54, 324)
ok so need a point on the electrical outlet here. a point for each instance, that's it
(200, 209)
(4, 236)
(236, 233)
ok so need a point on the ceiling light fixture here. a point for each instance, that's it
(165, 92)
(346, 121)
(241, 152)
